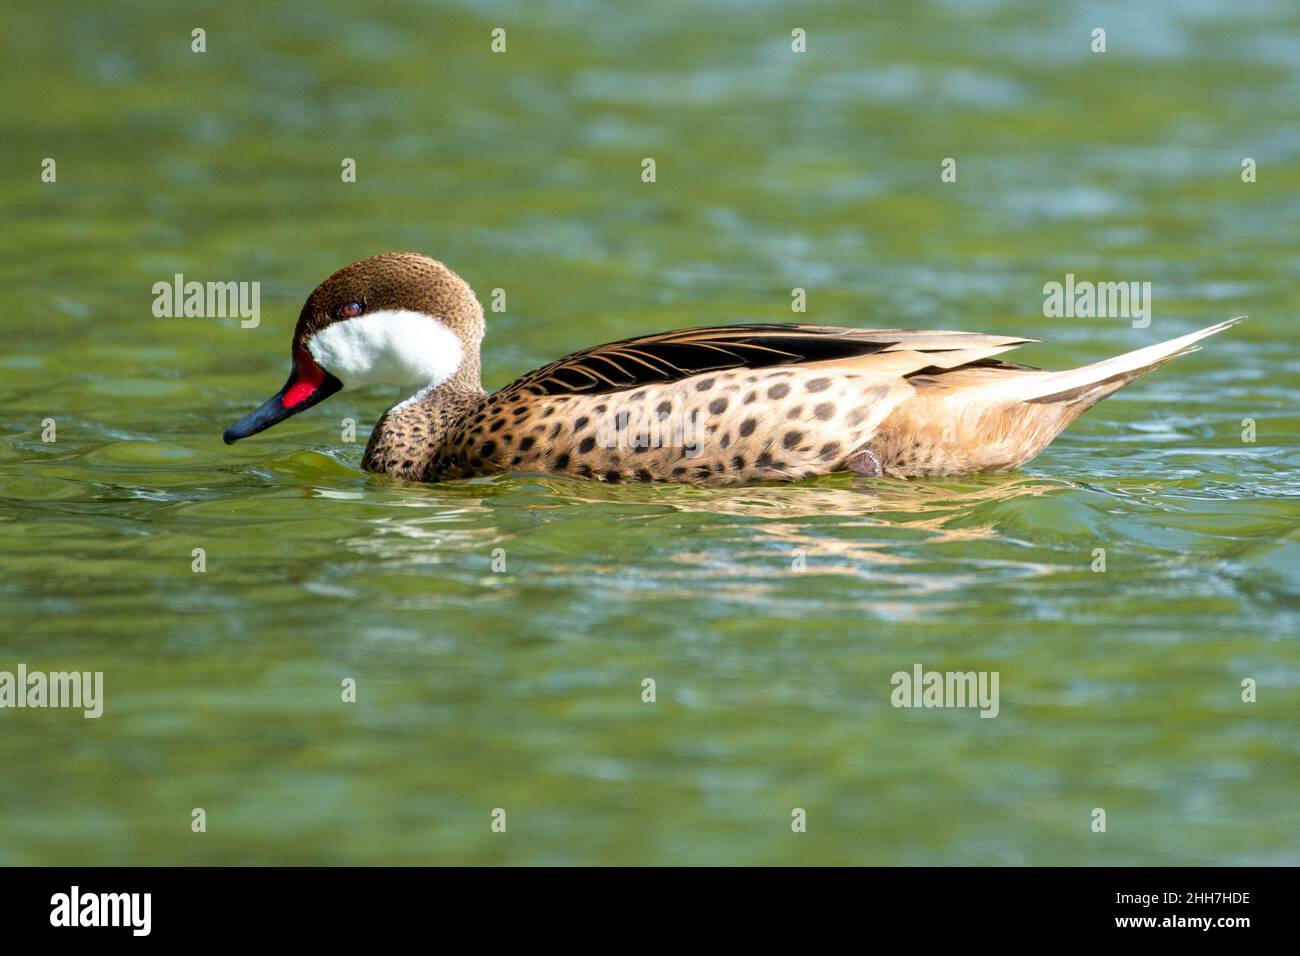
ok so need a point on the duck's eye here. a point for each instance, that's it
(351, 310)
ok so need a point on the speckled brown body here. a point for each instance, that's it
(749, 427)
(728, 427)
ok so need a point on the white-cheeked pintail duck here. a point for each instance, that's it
(733, 404)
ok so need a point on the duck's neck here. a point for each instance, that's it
(409, 438)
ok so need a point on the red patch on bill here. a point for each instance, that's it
(307, 378)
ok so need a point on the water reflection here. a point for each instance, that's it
(922, 504)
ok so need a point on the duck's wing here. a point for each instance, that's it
(673, 356)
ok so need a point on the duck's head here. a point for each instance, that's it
(398, 319)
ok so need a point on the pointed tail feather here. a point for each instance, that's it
(1106, 376)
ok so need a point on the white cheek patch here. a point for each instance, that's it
(397, 347)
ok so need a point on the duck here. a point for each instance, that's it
(722, 405)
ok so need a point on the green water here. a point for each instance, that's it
(521, 688)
